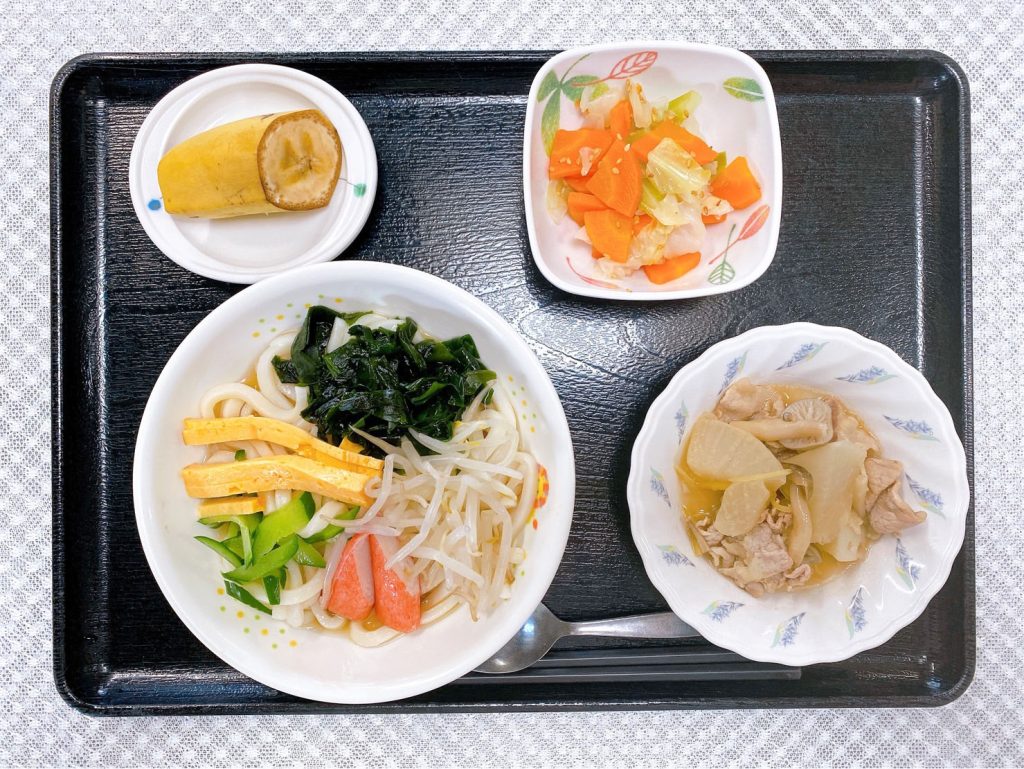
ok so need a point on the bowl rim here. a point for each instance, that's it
(170, 108)
(557, 527)
(581, 288)
(793, 655)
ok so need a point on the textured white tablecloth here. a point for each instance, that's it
(984, 727)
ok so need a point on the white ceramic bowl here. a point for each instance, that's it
(736, 115)
(250, 248)
(869, 602)
(309, 663)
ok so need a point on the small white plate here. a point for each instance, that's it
(301, 661)
(866, 604)
(736, 115)
(249, 248)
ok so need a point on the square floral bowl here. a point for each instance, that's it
(736, 115)
(866, 604)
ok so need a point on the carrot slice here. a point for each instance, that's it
(576, 183)
(736, 183)
(566, 159)
(712, 219)
(667, 129)
(595, 253)
(641, 221)
(617, 180)
(620, 119)
(610, 233)
(580, 203)
(672, 268)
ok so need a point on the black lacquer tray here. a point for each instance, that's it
(875, 236)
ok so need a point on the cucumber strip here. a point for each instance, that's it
(273, 587)
(330, 531)
(222, 550)
(281, 523)
(307, 555)
(266, 563)
(239, 593)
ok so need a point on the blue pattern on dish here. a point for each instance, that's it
(673, 557)
(855, 617)
(868, 376)
(915, 428)
(681, 418)
(805, 352)
(906, 567)
(733, 370)
(785, 632)
(658, 486)
(720, 610)
(930, 500)
(154, 204)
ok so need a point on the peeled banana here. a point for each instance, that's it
(288, 161)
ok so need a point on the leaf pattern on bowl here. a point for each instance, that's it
(720, 610)
(907, 569)
(803, 353)
(915, 428)
(744, 88)
(930, 500)
(871, 375)
(658, 486)
(725, 272)
(732, 370)
(553, 87)
(856, 620)
(786, 631)
(681, 417)
(672, 556)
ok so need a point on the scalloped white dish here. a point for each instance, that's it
(736, 114)
(318, 664)
(869, 602)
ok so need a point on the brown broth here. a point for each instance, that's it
(699, 502)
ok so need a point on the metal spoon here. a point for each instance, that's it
(543, 628)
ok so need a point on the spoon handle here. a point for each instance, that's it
(661, 625)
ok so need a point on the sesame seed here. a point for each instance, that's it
(615, 170)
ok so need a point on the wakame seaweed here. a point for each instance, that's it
(381, 381)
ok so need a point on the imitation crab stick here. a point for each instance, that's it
(352, 595)
(736, 184)
(396, 591)
(672, 268)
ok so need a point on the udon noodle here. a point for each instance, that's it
(459, 513)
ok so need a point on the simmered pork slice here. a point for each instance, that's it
(746, 400)
(890, 514)
(882, 473)
(765, 555)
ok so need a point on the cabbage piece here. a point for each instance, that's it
(557, 199)
(666, 211)
(721, 452)
(643, 113)
(597, 100)
(684, 105)
(648, 246)
(834, 470)
(744, 505)
(714, 206)
(674, 170)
